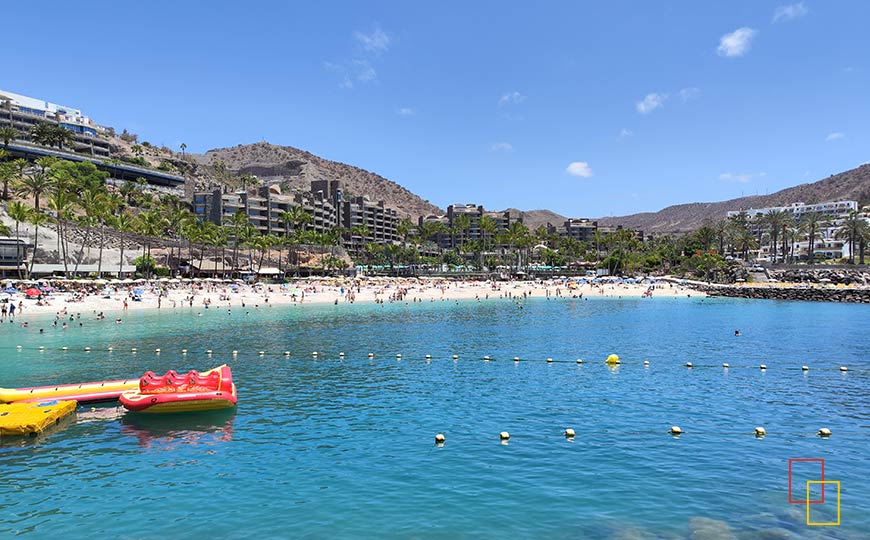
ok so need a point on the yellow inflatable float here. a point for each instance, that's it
(32, 418)
(612, 359)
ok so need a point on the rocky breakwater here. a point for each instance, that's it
(845, 276)
(790, 292)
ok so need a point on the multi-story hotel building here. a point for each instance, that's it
(579, 229)
(323, 203)
(23, 113)
(454, 237)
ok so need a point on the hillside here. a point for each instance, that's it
(850, 185)
(295, 169)
(535, 218)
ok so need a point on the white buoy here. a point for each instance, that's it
(64, 348)
(688, 364)
(579, 360)
(398, 357)
(675, 430)
(314, 353)
(486, 358)
(646, 362)
(569, 433)
(516, 358)
(19, 347)
(87, 349)
(183, 351)
(339, 354)
(824, 432)
(844, 368)
(157, 351)
(456, 357)
(428, 357)
(110, 349)
(287, 353)
(504, 435)
(439, 438)
(134, 349)
(762, 367)
(262, 353)
(371, 355)
(805, 368)
(760, 431)
(42, 347)
(549, 360)
(726, 365)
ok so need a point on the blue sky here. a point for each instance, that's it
(585, 108)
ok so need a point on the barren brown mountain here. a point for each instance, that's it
(850, 185)
(295, 169)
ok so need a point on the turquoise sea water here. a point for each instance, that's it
(330, 448)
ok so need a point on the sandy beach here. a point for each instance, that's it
(89, 299)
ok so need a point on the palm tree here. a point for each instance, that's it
(123, 223)
(7, 135)
(776, 221)
(852, 228)
(238, 221)
(488, 227)
(93, 202)
(183, 148)
(61, 202)
(460, 225)
(813, 223)
(19, 212)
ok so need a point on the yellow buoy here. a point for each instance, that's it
(569, 432)
(504, 435)
(612, 359)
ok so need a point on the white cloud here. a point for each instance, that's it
(364, 71)
(375, 42)
(835, 136)
(502, 147)
(651, 102)
(625, 133)
(789, 12)
(736, 43)
(687, 94)
(580, 169)
(406, 111)
(511, 98)
(741, 178)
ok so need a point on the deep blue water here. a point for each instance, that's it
(329, 448)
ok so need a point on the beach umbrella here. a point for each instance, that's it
(32, 292)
